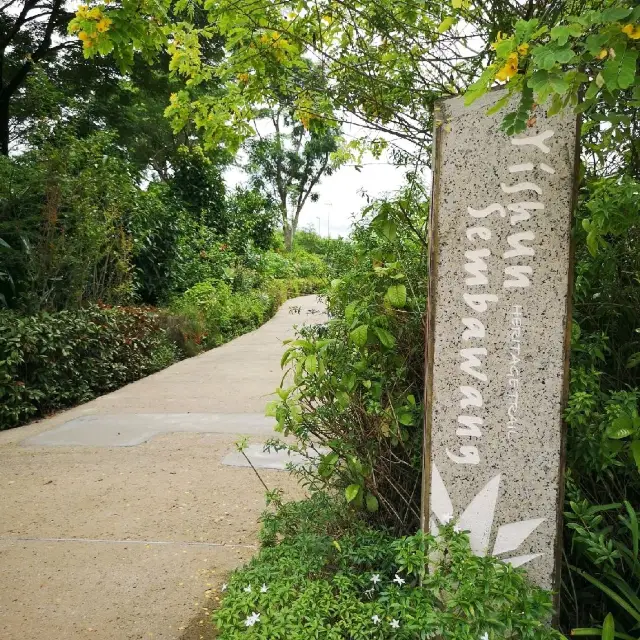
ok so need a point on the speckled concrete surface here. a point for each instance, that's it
(501, 207)
(121, 543)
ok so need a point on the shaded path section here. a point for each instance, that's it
(117, 515)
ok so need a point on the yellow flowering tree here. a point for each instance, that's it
(572, 64)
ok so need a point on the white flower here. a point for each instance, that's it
(458, 529)
(264, 588)
(394, 624)
(485, 636)
(369, 592)
(224, 586)
(252, 619)
(375, 619)
(375, 578)
(400, 581)
(446, 518)
(247, 589)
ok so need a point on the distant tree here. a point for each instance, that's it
(289, 164)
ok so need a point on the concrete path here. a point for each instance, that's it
(117, 516)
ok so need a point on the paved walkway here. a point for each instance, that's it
(118, 515)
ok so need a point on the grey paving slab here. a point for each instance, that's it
(131, 429)
(262, 459)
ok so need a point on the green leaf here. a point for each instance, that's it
(499, 105)
(405, 418)
(635, 452)
(371, 502)
(592, 91)
(351, 492)
(627, 68)
(4, 244)
(388, 230)
(359, 335)
(386, 338)
(311, 363)
(559, 84)
(396, 295)
(634, 360)
(561, 34)
(480, 86)
(350, 312)
(608, 628)
(524, 30)
(614, 14)
(446, 24)
(621, 427)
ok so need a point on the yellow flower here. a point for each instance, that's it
(523, 49)
(603, 54)
(264, 38)
(82, 11)
(95, 13)
(84, 36)
(243, 77)
(103, 25)
(633, 31)
(510, 68)
(74, 27)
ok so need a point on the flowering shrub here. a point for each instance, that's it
(369, 585)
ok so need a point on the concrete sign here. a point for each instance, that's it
(498, 326)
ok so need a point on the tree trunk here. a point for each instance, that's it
(288, 237)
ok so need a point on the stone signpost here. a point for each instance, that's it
(498, 331)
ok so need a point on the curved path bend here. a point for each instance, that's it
(118, 518)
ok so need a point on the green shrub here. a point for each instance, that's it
(212, 313)
(357, 384)
(368, 585)
(275, 265)
(308, 265)
(51, 361)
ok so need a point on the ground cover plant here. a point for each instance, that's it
(330, 578)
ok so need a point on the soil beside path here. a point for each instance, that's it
(116, 516)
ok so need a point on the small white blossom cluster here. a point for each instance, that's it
(394, 624)
(376, 619)
(254, 618)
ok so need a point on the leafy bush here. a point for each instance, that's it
(603, 444)
(370, 585)
(275, 265)
(216, 313)
(51, 361)
(308, 265)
